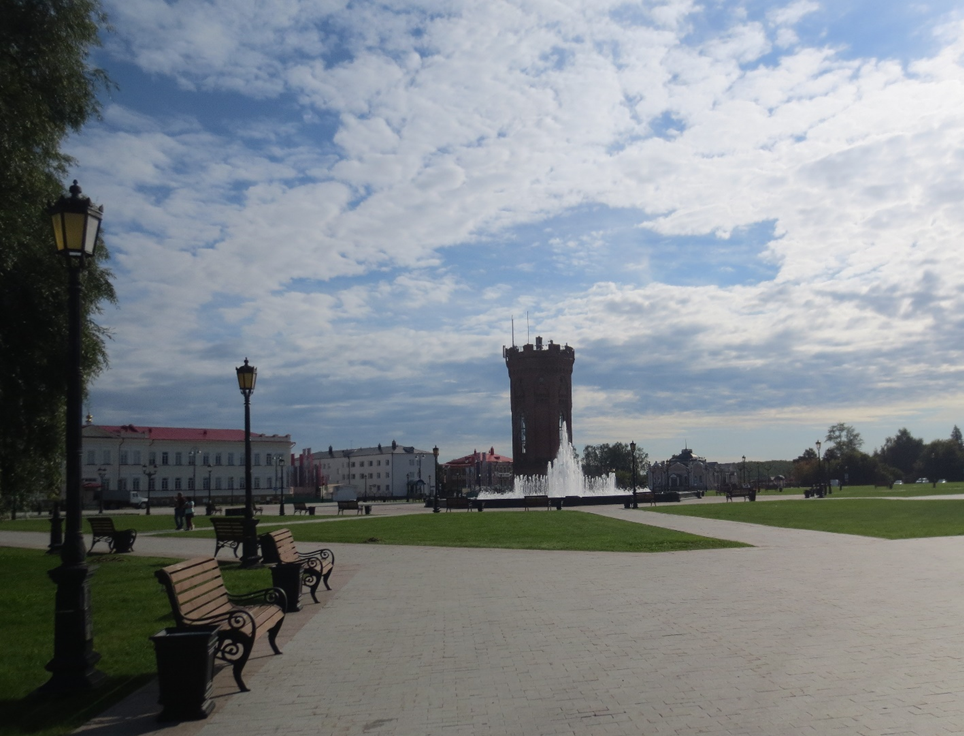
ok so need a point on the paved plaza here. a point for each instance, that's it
(805, 632)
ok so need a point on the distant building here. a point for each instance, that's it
(540, 388)
(390, 471)
(687, 472)
(478, 471)
(195, 462)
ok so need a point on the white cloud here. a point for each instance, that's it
(453, 124)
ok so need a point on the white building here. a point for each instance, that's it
(196, 462)
(391, 471)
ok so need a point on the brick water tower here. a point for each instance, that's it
(540, 385)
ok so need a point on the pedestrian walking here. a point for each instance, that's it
(179, 504)
(189, 514)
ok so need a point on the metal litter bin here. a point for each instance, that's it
(185, 672)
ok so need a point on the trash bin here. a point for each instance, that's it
(124, 540)
(287, 576)
(368, 509)
(185, 672)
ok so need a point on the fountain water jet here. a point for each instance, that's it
(563, 478)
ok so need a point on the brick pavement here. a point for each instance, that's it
(807, 632)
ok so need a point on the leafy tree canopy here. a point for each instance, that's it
(844, 438)
(48, 89)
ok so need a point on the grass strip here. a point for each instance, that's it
(128, 606)
(867, 517)
(555, 530)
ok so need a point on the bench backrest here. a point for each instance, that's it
(195, 589)
(301, 506)
(230, 527)
(279, 546)
(101, 525)
(348, 504)
(457, 502)
(537, 500)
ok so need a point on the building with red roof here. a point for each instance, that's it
(160, 462)
(478, 471)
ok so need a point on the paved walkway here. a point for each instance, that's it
(806, 632)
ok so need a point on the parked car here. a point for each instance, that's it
(898, 482)
(922, 480)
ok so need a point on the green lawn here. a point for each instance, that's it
(556, 530)
(128, 606)
(869, 517)
(907, 490)
(140, 522)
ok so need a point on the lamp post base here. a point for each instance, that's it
(74, 666)
(249, 547)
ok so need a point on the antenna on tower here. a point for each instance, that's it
(513, 330)
(527, 327)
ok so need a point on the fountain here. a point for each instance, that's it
(563, 478)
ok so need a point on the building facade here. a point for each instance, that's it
(687, 472)
(540, 387)
(160, 462)
(383, 471)
(479, 471)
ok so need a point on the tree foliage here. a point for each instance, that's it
(843, 438)
(48, 89)
(901, 451)
(605, 458)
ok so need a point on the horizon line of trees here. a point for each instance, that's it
(901, 457)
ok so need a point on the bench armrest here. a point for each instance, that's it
(317, 554)
(267, 595)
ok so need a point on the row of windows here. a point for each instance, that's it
(167, 484)
(133, 457)
(370, 476)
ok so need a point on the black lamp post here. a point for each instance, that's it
(819, 466)
(281, 474)
(150, 471)
(247, 376)
(632, 449)
(210, 499)
(76, 224)
(193, 455)
(435, 509)
(102, 473)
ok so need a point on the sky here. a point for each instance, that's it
(745, 217)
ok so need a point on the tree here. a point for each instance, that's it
(47, 90)
(844, 438)
(957, 437)
(901, 451)
(618, 458)
(940, 459)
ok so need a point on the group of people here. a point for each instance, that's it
(183, 513)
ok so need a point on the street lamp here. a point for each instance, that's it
(819, 466)
(744, 470)
(632, 449)
(150, 471)
(435, 509)
(193, 455)
(210, 500)
(76, 223)
(102, 472)
(280, 462)
(247, 376)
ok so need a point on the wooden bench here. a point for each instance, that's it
(748, 494)
(118, 540)
(302, 508)
(278, 548)
(536, 502)
(349, 506)
(239, 511)
(228, 532)
(198, 598)
(456, 502)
